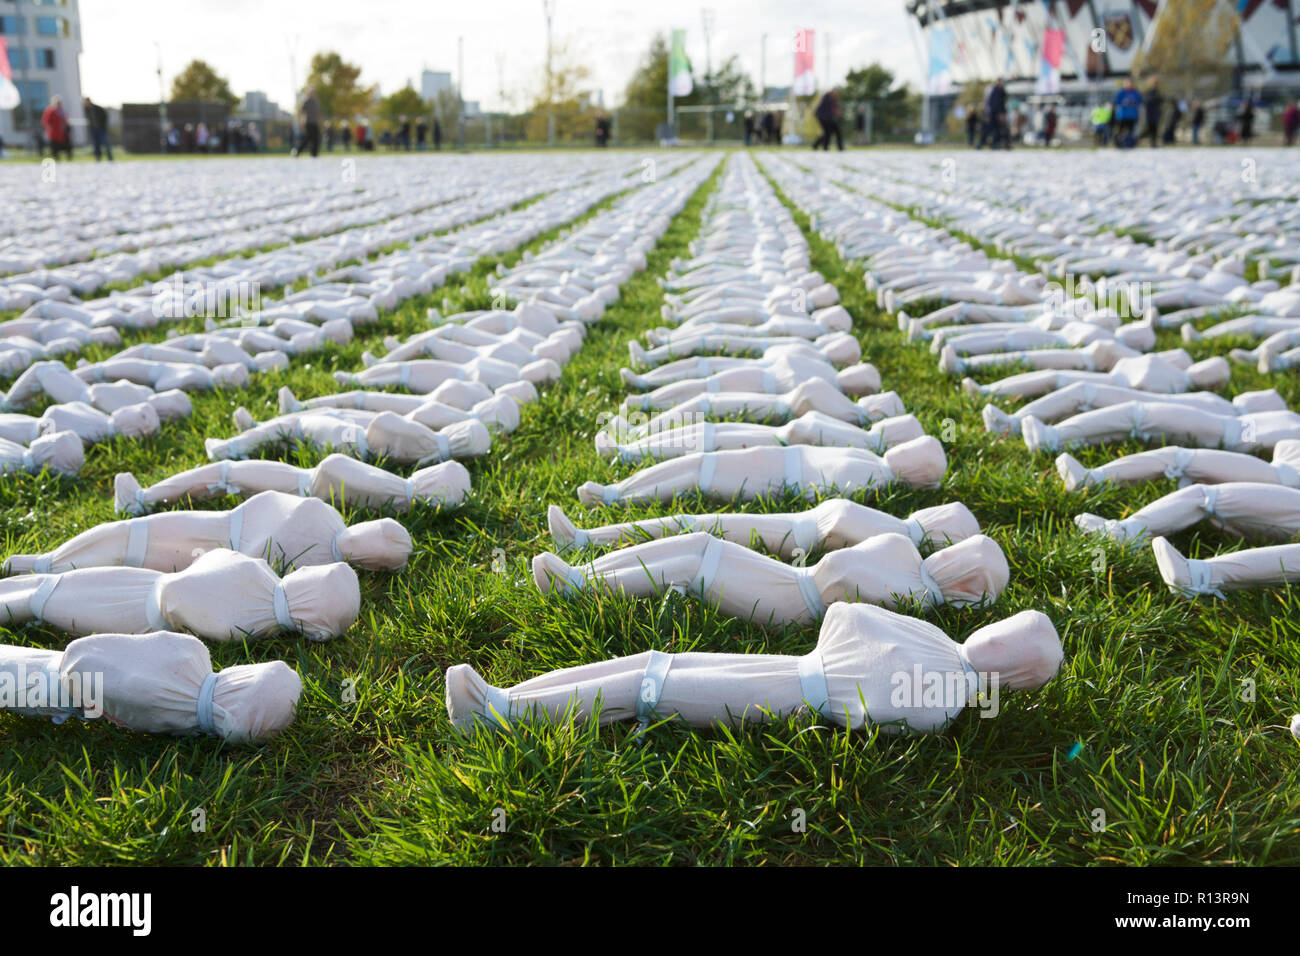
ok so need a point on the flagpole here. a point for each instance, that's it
(669, 91)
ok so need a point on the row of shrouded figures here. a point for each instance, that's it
(1094, 381)
(145, 588)
(756, 338)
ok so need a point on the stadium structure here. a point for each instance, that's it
(1094, 43)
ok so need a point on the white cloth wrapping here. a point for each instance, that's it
(163, 682)
(782, 374)
(754, 472)
(337, 478)
(93, 426)
(61, 452)
(159, 683)
(163, 376)
(810, 428)
(1243, 508)
(838, 348)
(1248, 568)
(364, 434)
(221, 596)
(1167, 373)
(879, 570)
(812, 396)
(775, 362)
(284, 529)
(870, 666)
(834, 523)
(1159, 420)
(1187, 466)
(424, 375)
(1086, 396)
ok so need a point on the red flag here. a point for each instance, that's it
(9, 98)
(805, 82)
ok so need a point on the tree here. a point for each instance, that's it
(199, 82)
(648, 87)
(337, 86)
(1189, 52)
(893, 107)
(404, 102)
(567, 101)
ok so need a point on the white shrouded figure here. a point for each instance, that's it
(57, 382)
(833, 524)
(1159, 420)
(285, 529)
(164, 376)
(221, 596)
(799, 325)
(1240, 570)
(1098, 357)
(156, 683)
(61, 452)
(1086, 396)
(424, 375)
(813, 396)
(755, 472)
(879, 570)
(1050, 330)
(1242, 508)
(870, 666)
(496, 412)
(363, 434)
(810, 428)
(337, 478)
(785, 366)
(1169, 373)
(838, 348)
(1187, 466)
(760, 376)
(455, 393)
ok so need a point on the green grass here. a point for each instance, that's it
(1185, 770)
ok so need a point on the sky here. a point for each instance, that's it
(257, 44)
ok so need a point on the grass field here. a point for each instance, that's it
(1151, 722)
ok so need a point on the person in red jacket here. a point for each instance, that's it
(1290, 123)
(57, 131)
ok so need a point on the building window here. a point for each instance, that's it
(35, 97)
(18, 59)
(45, 59)
(13, 26)
(52, 26)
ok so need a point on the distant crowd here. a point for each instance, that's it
(1129, 119)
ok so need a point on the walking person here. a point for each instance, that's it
(311, 122)
(97, 124)
(437, 134)
(995, 115)
(1175, 117)
(1198, 120)
(421, 133)
(1290, 123)
(972, 125)
(1153, 103)
(58, 132)
(1246, 121)
(828, 117)
(1128, 107)
(1101, 119)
